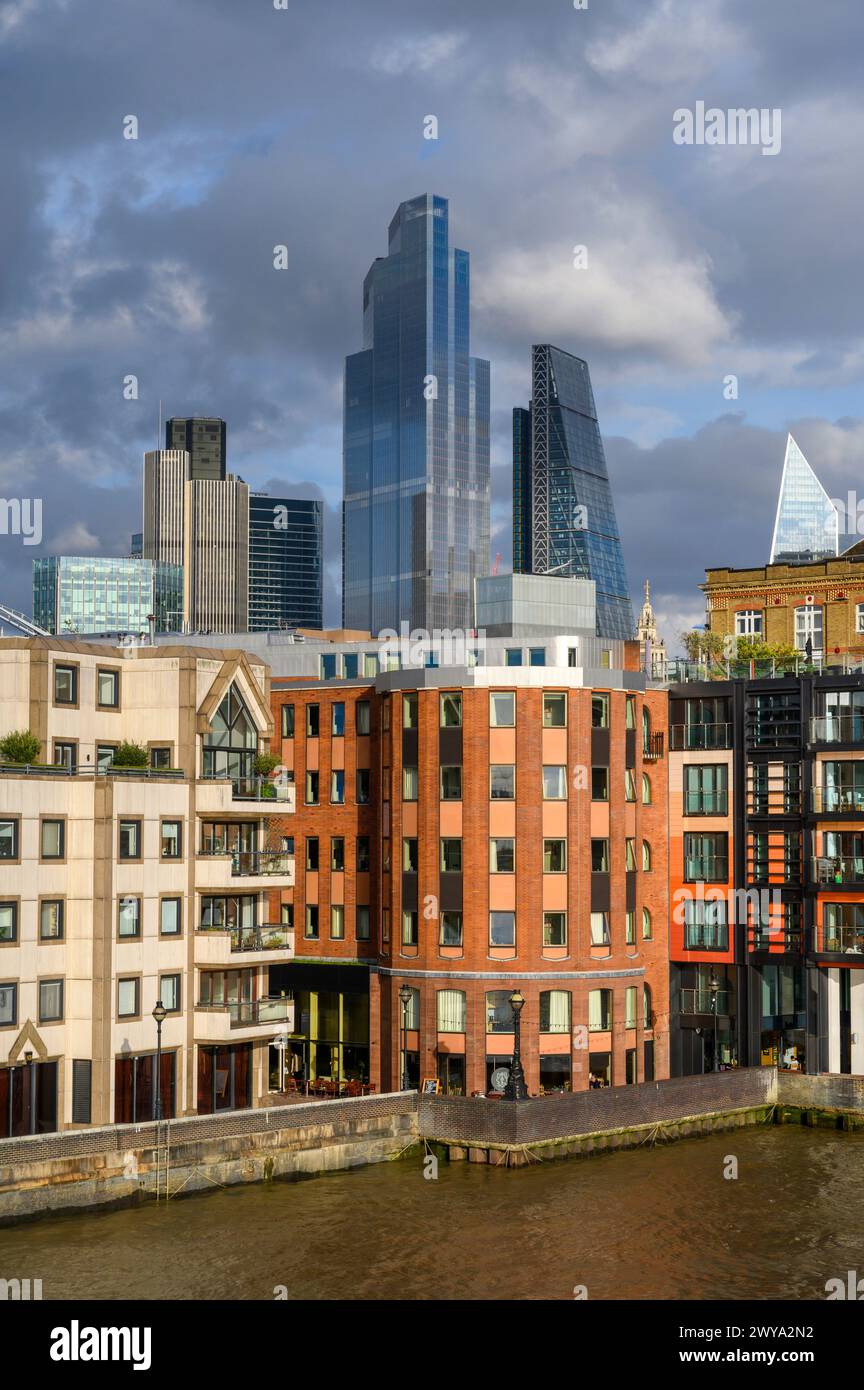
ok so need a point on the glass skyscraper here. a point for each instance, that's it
(806, 526)
(563, 514)
(285, 562)
(415, 530)
(95, 596)
(205, 440)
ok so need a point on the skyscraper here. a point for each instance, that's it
(204, 440)
(285, 562)
(562, 499)
(416, 436)
(94, 595)
(806, 526)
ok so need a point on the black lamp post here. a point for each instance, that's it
(405, 999)
(159, 1013)
(516, 1088)
(714, 989)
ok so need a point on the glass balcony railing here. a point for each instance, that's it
(698, 803)
(687, 737)
(261, 789)
(829, 871)
(836, 800)
(698, 936)
(270, 936)
(702, 1001)
(837, 728)
(842, 941)
(768, 938)
(269, 1010)
(254, 862)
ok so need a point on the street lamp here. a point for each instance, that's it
(160, 1014)
(516, 1088)
(714, 990)
(405, 999)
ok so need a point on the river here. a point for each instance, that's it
(661, 1223)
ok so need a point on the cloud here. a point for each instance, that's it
(417, 53)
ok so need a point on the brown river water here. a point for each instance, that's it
(661, 1223)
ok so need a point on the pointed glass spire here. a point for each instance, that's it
(806, 526)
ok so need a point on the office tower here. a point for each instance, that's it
(204, 440)
(521, 490)
(285, 562)
(416, 436)
(136, 545)
(806, 526)
(94, 595)
(564, 498)
(203, 525)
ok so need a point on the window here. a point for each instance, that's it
(536, 656)
(287, 721)
(513, 656)
(108, 689)
(337, 854)
(51, 925)
(66, 755)
(8, 922)
(502, 928)
(411, 1020)
(808, 628)
(409, 928)
(50, 1001)
(748, 622)
(502, 855)
(410, 783)
(337, 922)
(312, 854)
(599, 784)
(169, 993)
(451, 1011)
(554, 1011)
(410, 858)
(451, 784)
(82, 1086)
(312, 781)
(451, 929)
(385, 924)
(502, 782)
(130, 839)
(364, 786)
(8, 839)
(646, 924)
(363, 717)
(630, 929)
(410, 713)
(859, 617)
(502, 709)
(370, 664)
(646, 789)
(363, 854)
(629, 785)
(170, 917)
(647, 1015)
(705, 924)
(705, 788)
(337, 787)
(554, 856)
(630, 1006)
(451, 710)
(646, 731)
(451, 856)
(129, 917)
(599, 1010)
(8, 1004)
(385, 856)
(172, 839)
(337, 719)
(330, 666)
(499, 1011)
(53, 834)
(600, 711)
(554, 928)
(362, 922)
(310, 930)
(554, 711)
(600, 856)
(600, 929)
(646, 856)
(65, 685)
(630, 713)
(706, 858)
(630, 854)
(127, 998)
(385, 714)
(313, 721)
(554, 784)
(160, 758)
(105, 756)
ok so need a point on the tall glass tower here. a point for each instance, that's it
(415, 520)
(563, 514)
(285, 562)
(806, 526)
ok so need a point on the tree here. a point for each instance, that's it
(702, 645)
(757, 649)
(20, 747)
(131, 755)
(265, 764)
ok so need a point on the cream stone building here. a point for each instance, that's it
(121, 887)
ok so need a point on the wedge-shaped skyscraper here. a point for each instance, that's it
(563, 515)
(807, 526)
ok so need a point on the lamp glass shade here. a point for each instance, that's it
(160, 1012)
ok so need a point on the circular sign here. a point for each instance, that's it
(500, 1077)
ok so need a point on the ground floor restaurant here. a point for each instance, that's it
(331, 1038)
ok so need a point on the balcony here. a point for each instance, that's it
(841, 941)
(830, 873)
(224, 796)
(837, 801)
(699, 803)
(782, 941)
(254, 1017)
(699, 936)
(258, 868)
(702, 1001)
(652, 748)
(217, 945)
(685, 738)
(837, 728)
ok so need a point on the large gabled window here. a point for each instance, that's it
(231, 743)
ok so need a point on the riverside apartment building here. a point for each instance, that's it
(121, 886)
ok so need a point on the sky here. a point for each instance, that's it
(303, 126)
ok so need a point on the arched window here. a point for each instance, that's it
(647, 1016)
(555, 1011)
(646, 729)
(231, 742)
(646, 789)
(451, 1011)
(646, 924)
(646, 855)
